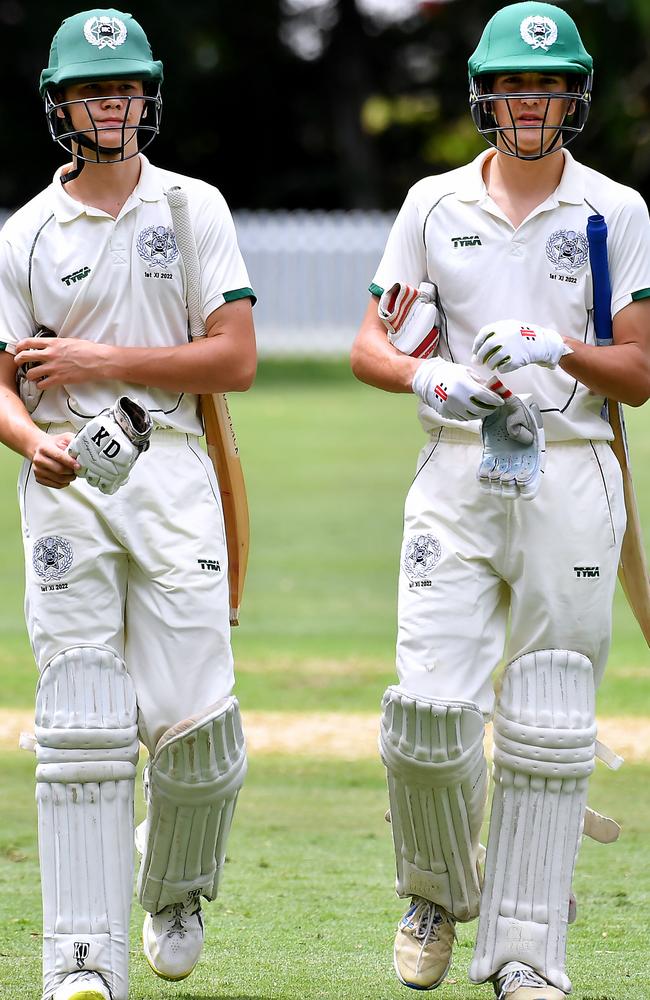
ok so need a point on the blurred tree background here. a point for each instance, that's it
(323, 103)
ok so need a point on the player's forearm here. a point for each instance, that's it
(203, 366)
(375, 361)
(620, 372)
(17, 429)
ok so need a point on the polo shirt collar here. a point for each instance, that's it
(66, 208)
(570, 190)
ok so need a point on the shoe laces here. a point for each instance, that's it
(426, 918)
(180, 913)
(516, 978)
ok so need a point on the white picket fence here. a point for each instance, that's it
(310, 271)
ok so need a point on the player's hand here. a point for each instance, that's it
(453, 391)
(51, 463)
(61, 360)
(514, 451)
(509, 344)
(410, 316)
(108, 446)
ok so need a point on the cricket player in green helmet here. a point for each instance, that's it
(126, 559)
(514, 521)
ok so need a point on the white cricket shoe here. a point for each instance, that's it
(173, 938)
(423, 945)
(82, 986)
(519, 982)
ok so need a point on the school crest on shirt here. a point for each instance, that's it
(157, 246)
(539, 32)
(105, 32)
(52, 557)
(567, 250)
(422, 553)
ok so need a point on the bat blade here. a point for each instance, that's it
(221, 441)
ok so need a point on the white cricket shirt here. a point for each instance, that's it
(81, 273)
(450, 232)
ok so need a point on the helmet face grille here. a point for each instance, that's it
(505, 138)
(85, 144)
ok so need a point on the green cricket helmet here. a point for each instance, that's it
(530, 38)
(96, 45)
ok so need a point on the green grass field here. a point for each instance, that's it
(306, 908)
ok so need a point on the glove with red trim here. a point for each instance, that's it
(410, 316)
(509, 344)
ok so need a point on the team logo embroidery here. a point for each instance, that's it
(567, 250)
(105, 31)
(527, 334)
(421, 555)
(81, 951)
(539, 32)
(157, 245)
(52, 557)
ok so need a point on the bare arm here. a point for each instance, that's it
(223, 361)
(52, 466)
(622, 371)
(374, 359)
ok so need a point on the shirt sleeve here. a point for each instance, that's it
(404, 256)
(16, 317)
(629, 253)
(224, 277)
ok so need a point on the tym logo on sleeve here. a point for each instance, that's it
(70, 279)
(466, 241)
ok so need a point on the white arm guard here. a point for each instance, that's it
(109, 445)
(410, 316)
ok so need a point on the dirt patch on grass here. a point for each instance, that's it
(348, 736)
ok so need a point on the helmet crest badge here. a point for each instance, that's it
(539, 32)
(105, 31)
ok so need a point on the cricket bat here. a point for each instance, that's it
(633, 566)
(219, 431)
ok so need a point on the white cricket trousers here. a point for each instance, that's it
(484, 578)
(144, 571)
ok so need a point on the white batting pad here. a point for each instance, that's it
(437, 783)
(87, 749)
(544, 736)
(192, 786)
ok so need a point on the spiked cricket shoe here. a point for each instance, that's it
(423, 945)
(82, 986)
(173, 938)
(519, 982)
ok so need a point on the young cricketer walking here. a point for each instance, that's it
(518, 562)
(127, 598)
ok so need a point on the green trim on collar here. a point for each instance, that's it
(644, 293)
(240, 293)
(375, 290)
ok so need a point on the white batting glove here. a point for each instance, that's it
(453, 391)
(109, 444)
(514, 450)
(509, 344)
(410, 316)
